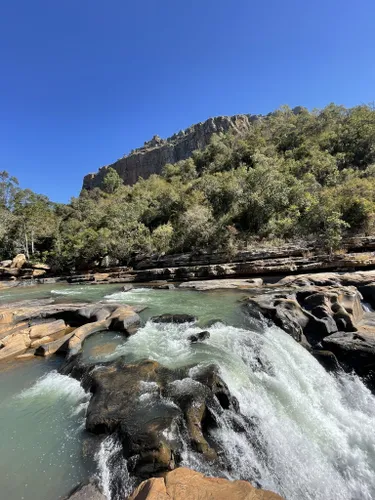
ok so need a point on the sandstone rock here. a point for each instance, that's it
(46, 329)
(41, 266)
(311, 313)
(151, 158)
(174, 318)
(5, 263)
(355, 352)
(88, 491)
(13, 345)
(19, 261)
(124, 319)
(94, 312)
(37, 273)
(143, 401)
(186, 484)
(223, 284)
(81, 333)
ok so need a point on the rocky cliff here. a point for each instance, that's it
(151, 158)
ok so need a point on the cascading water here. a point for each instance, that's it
(302, 432)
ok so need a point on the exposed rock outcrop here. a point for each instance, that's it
(44, 328)
(187, 484)
(143, 402)
(151, 158)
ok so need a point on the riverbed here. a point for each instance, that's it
(314, 435)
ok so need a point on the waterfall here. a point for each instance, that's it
(302, 432)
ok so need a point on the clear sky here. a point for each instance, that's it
(83, 82)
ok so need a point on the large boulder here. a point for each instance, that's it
(143, 402)
(355, 351)
(19, 261)
(311, 313)
(125, 319)
(187, 484)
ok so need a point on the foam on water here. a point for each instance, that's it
(54, 386)
(70, 291)
(135, 295)
(306, 434)
(113, 473)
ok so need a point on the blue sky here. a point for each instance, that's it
(83, 82)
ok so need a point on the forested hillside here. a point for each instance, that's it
(294, 175)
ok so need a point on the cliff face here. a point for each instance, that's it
(151, 158)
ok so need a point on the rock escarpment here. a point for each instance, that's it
(151, 158)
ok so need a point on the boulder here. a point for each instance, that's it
(81, 333)
(94, 312)
(174, 318)
(46, 329)
(199, 337)
(312, 313)
(48, 347)
(6, 263)
(143, 402)
(355, 351)
(19, 261)
(124, 319)
(187, 484)
(87, 491)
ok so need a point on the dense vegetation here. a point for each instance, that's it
(295, 175)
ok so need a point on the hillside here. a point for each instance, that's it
(154, 154)
(293, 176)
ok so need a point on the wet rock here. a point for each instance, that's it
(124, 319)
(87, 491)
(209, 376)
(222, 284)
(327, 359)
(311, 314)
(49, 348)
(94, 312)
(81, 333)
(199, 337)
(187, 484)
(150, 407)
(355, 352)
(174, 318)
(127, 288)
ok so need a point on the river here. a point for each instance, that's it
(314, 435)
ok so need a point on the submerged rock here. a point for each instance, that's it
(87, 491)
(199, 337)
(174, 318)
(187, 484)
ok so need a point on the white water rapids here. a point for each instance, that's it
(314, 433)
(302, 432)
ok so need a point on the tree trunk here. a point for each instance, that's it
(27, 246)
(32, 242)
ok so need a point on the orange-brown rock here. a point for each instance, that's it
(187, 484)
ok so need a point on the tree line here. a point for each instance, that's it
(295, 175)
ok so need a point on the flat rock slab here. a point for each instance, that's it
(90, 491)
(187, 484)
(223, 284)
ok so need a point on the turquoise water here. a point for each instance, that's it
(312, 433)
